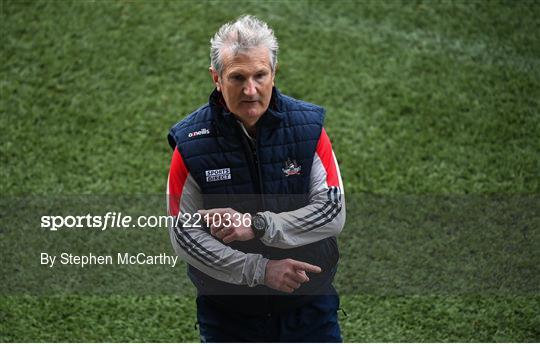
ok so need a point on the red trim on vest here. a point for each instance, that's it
(324, 151)
(177, 178)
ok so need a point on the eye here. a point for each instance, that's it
(260, 75)
(237, 77)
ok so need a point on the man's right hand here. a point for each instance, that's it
(287, 274)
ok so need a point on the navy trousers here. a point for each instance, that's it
(314, 322)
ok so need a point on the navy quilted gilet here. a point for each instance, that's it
(231, 173)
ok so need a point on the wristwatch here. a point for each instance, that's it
(258, 224)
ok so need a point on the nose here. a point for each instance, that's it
(249, 88)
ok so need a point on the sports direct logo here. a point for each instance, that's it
(217, 175)
(203, 131)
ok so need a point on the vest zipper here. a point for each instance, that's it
(258, 167)
(268, 300)
(252, 151)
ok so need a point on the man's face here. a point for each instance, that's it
(246, 83)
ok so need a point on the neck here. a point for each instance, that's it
(250, 128)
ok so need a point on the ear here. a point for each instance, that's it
(274, 74)
(215, 78)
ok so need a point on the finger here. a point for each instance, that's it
(225, 230)
(216, 226)
(286, 289)
(306, 267)
(215, 229)
(208, 215)
(229, 238)
(222, 233)
(297, 277)
(292, 284)
(303, 275)
(208, 218)
(217, 233)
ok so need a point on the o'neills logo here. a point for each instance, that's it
(200, 132)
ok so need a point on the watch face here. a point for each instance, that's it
(258, 222)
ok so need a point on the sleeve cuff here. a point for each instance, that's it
(259, 272)
(267, 237)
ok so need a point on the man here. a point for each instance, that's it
(257, 189)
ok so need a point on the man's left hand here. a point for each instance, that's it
(228, 225)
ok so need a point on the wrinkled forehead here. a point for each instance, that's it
(246, 59)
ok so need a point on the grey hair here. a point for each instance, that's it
(245, 33)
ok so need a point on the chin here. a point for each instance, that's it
(252, 113)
